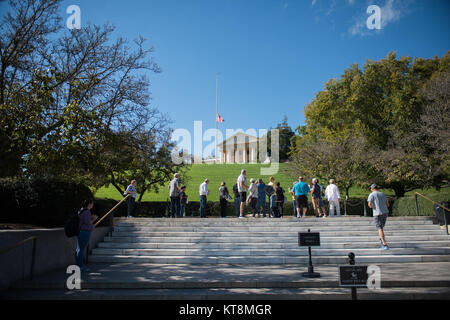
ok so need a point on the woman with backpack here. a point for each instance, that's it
(86, 226)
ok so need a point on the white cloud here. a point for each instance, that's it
(393, 10)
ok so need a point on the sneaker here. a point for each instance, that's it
(385, 247)
(240, 217)
(324, 216)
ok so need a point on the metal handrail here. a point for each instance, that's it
(113, 208)
(88, 248)
(33, 253)
(435, 203)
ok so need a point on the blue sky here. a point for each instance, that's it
(272, 55)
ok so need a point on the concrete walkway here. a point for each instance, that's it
(153, 281)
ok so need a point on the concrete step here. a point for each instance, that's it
(266, 259)
(288, 217)
(235, 294)
(215, 245)
(270, 252)
(291, 239)
(268, 223)
(274, 228)
(275, 234)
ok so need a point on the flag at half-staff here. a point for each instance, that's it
(219, 118)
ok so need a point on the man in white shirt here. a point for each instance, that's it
(203, 193)
(333, 197)
(242, 188)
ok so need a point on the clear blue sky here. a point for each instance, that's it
(272, 55)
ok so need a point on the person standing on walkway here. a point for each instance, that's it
(294, 203)
(301, 191)
(183, 201)
(253, 197)
(261, 198)
(279, 192)
(321, 204)
(242, 188)
(237, 200)
(174, 193)
(86, 226)
(203, 193)
(380, 205)
(270, 190)
(315, 195)
(132, 191)
(224, 196)
(333, 197)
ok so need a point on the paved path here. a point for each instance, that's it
(150, 281)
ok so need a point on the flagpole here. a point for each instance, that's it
(217, 113)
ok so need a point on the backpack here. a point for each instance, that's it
(72, 226)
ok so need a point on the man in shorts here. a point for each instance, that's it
(242, 188)
(379, 203)
(301, 190)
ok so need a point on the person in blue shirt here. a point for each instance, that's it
(301, 190)
(261, 198)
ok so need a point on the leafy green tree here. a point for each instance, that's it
(384, 103)
(286, 134)
(65, 99)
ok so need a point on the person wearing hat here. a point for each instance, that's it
(379, 203)
(203, 193)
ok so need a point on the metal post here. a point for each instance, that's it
(417, 205)
(345, 206)
(33, 258)
(365, 210)
(310, 265)
(445, 221)
(354, 295)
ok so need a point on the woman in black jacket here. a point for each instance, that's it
(280, 198)
(224, 197)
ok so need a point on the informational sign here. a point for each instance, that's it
(353, 276)
(309, 239)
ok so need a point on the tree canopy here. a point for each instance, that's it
(390, 107)
(67, 95)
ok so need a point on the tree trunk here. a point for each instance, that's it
(399, 190)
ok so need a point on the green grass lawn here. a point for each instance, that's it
(216, 173)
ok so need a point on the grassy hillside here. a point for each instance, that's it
(217, 173)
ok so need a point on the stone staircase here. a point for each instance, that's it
(270, 241)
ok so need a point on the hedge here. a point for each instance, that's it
(162, 208)
(46, 203)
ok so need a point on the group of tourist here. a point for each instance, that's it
(253, 195)
(256, 198)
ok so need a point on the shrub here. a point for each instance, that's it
(47, 203)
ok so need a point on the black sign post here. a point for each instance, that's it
(308, 239)
(353, 276)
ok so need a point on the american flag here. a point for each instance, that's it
(219, 118)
